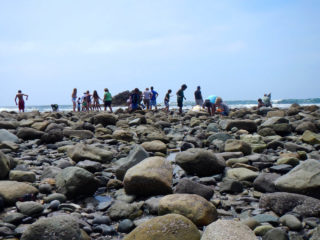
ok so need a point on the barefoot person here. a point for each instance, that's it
(180, 97)
(221, 107)
(21, 101)
(198, 97)
(96, 102)
(167, 100)
(153, 100)
(74, 99)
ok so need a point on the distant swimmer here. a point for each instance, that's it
(180, 97)
(74, 98)
(267, 100)
(20, 103)
(198, 97)
(221, 107)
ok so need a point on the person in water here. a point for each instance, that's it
(153, 100)
(96, 103)
(107, 99)
(20, 103)
(198, 97)
(260, 103)
(74, 98)
(167, 100)
(221, 107)
(180, 97)
(267, 100)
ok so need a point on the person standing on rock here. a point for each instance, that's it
(107, 99)
(20, 103)
(167, 100)
(74, 99)
(180, 97)
(153, 100)
(146, 98)
(198, 97)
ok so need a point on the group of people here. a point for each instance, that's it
(91, 102)
(148, 99)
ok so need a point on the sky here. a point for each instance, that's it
(236, 49)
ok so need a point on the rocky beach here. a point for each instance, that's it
(154, 175)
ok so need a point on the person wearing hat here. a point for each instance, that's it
(198, 97)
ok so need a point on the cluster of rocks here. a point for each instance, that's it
(153, 175)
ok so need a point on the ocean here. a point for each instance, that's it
(283, 103)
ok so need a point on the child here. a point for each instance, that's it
(180, 97)
(167, 100)
(21, 101)
(79, 104)
(221, 107)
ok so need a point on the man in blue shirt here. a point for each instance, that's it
(153, 100)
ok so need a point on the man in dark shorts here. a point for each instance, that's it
(198, 97)
(107, 99)
(180, 97)
(21, 101)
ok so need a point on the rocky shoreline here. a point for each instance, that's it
(153, 175)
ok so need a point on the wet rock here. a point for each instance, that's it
(200, 162)
(136, 155)
(61, 227)
(196, 208)
(11, 191)
(233, 145)
(152, 176)
(227, 229)
(125, 226)
(170, 227)
(13, 217)
(105, 119)
(265, 182)
(101, 220)
(22, 176)
(187, 186)
(241, 174)
(29, 133)
(122, 210)
(155, 146)
(248, 125)
(266, 218)
(55, 196)
(4, 166)
(275, 233)
(82, 152)
(281, 203)
(29, 208)
(291, 221)
(81, 134)
(75, 181)
(5, 135)
(304, 179)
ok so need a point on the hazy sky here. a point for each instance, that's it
(236, 49)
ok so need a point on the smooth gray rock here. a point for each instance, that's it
(5, 135)
(187, 186)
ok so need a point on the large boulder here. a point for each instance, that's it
(233, 145)
(168, 227)
(187, 186)
(81, 134)
(29, 133)
(136, 155)
(304, 179)
(62, 227)
(155, 146)
(228, 229)
(82, 152)
(11, 191)
(6, 136)
(196, 208)
(152, 176)
(105, 119)
(75, 181)
(121, 98)
(200, 162)
(310, 137)
(282, 202)
(248, 125)
(4, 166)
